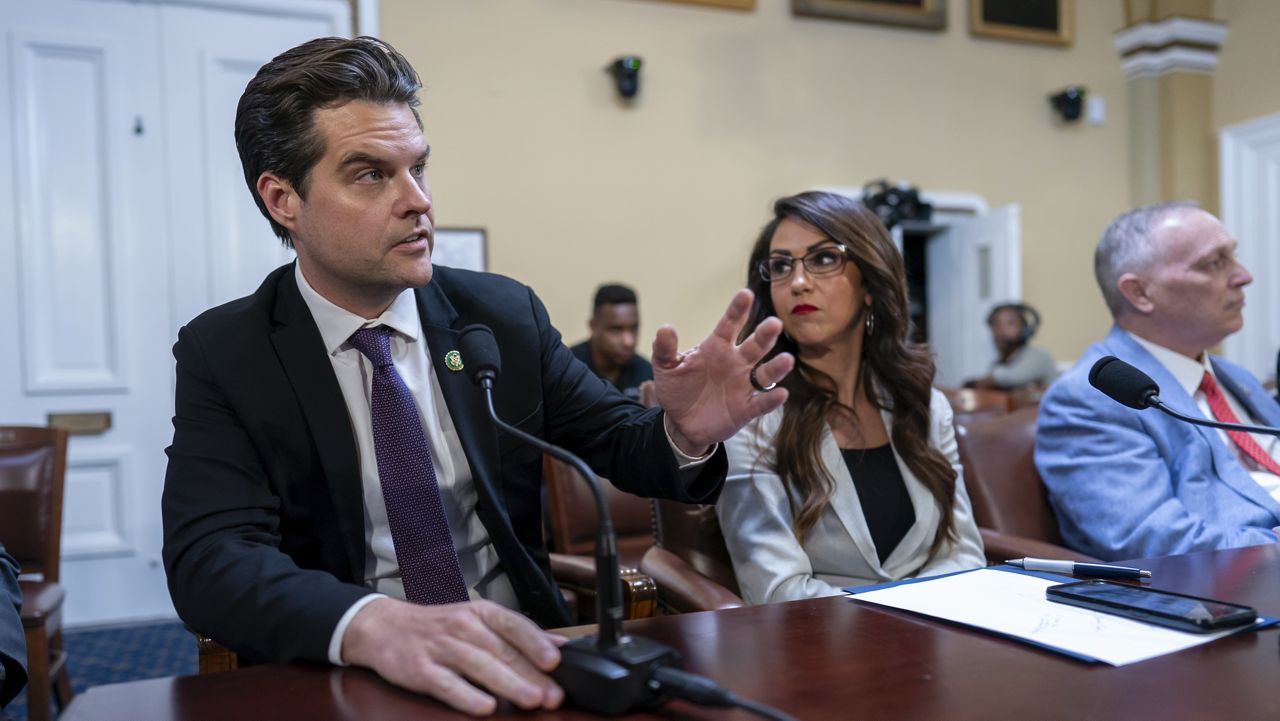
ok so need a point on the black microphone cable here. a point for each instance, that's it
(705, 692)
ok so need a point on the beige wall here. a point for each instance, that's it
(735, 110)
(1245, 84)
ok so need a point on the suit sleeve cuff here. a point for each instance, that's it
(335, 641)
(683, 459)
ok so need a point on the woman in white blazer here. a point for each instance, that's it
(856, 478)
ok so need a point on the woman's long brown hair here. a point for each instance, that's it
(896, 373)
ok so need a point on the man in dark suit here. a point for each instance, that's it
(13, 644)
(308, 412)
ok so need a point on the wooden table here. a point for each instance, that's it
(824, 659)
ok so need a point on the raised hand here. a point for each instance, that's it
(706, 391)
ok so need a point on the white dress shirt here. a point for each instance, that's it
(1189, 372)
(481, 569)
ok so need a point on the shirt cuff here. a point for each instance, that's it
(684, 459)
(335, 641)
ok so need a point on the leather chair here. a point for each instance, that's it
(571, 536)
(690, 562)
(33, 465)
(1009, 500)
(971, 405)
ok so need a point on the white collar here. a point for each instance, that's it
(1189, 372)
(337, 324)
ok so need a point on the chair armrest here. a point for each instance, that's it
(578, 574)
(41, 602)
(213, 656)
(683, 589)
(1001, 547)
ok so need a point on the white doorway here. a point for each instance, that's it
(972, 262)
(123, 215)
(1250, 176)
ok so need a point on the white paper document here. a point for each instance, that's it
(1014, 604)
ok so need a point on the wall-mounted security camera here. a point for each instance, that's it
(626, 74)
(1068, 102)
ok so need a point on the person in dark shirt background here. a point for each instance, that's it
(610, 352)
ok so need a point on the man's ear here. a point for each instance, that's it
(282, 201)
(1134, 289)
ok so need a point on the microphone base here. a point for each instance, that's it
(612, 681)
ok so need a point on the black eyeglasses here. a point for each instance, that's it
(825, 261)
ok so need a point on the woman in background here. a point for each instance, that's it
(856, 479)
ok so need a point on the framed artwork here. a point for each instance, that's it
(920, 14)
(731, 4)
(1037, 21)
(460, 248)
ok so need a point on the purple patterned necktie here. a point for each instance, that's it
(419, 530)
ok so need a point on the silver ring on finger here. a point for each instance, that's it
(756, 383)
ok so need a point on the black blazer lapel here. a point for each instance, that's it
(479, 439)
(301, 350)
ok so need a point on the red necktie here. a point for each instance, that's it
(1222, 411)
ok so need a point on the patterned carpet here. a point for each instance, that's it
(125, 653)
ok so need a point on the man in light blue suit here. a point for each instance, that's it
(1130, 484)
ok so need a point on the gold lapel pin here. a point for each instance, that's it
(453, 361)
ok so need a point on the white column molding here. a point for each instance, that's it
(1172, 45)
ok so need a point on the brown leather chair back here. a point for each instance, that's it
(33, 467)
(1000, 474)
(692, 532)
(573, 515)
(33, 464)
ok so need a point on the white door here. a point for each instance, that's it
(972, 265)
(222, 245)
(83, 269)
(122, 215)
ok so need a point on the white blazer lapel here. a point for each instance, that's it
(912, 552)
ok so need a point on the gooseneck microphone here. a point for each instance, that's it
(611, 672)
(1129, 386)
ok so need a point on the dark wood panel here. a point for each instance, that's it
(825, 659)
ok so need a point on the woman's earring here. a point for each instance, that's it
(871, 321)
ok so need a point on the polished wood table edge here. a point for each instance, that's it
(823, 658)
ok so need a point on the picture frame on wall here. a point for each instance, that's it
(1051, 22)
(460, 248)
(918, 14)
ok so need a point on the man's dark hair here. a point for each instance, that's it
(275, 121)
(612, 294)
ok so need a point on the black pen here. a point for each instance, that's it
(1096, 570)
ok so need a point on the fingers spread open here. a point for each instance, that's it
(755, 346)
(735, 316)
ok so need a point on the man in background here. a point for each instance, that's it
(13, 645)
(1018, 364)
(610, 352)
(1130, 484)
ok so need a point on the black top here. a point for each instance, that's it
(883, 494)
(636, 371)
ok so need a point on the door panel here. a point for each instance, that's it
(88, 271)
(122, 215)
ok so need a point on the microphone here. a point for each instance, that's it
(609, 673)
(1129, 386)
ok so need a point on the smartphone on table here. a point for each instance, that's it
(1162, 608)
